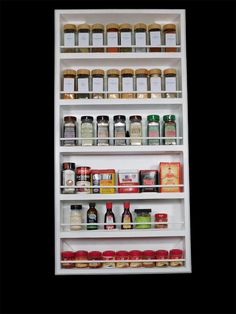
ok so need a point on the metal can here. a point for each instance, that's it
(161, 217)
(83, 179)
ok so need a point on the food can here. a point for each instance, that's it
(104, 177)
(83, 179)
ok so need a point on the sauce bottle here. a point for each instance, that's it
(92, 217)
(109, 217)
(126, 218)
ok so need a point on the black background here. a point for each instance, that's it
(28, 283)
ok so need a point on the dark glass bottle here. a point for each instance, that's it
(109, 217)
(126, 218)
(92, 217)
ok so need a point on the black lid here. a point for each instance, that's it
(87, 118)
(68, 165)
(92, 204)
(76, 207)
(102, 118)
(119, 117)
(136, 117)
(143, 210)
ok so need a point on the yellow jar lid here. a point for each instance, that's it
(169, 26)
(155, 71)
(141, 71)
(125, 26)
(154, 26)
(127, 71)
(69, 72)
(97, 72)
(169, 71)
(70, 26)
(113, 72)
(140, 25)
(83, 26)
(112, 25)
(83, 72)
(98, 26)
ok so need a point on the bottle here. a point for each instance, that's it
(109, 217)
(92, 217)
(98, 37)
(68, 177)
(76, 217)
(69, 80)
(126, 217)
(119, 129)
(155, 83)
(127, 83)
(83, 83)
(69, 130)
(135, 130)
(169, 31)
(113, 83)
(97, 83)
(126, 37)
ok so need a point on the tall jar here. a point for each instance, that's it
(69, 83)
(154, 34)
(68, 177)
(141, 83)
(155, 83)
(83, 31)
(169, 129)
(83, 83)
(126, 37)
(153, 129)
(127, 83)
(102, 130)
(112, 37)
(69, 130)
(119, 129)
(69, 37)
(87, 130)
(169, 31)
(113, 83)
(140, 37)
(170, 83)
(97, 83)
(98, 37)
(135, 130)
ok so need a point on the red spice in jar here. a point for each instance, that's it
(95, 255)
(161, 217)
(162, 254)
(135, 255)
(148, 255)
(176, 254)
(122, 255)
(67, 256)
(109, 256)
(81, 255)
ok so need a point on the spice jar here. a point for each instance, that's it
(95, 256)
(97, 83)
(162, 255)
(102, 130)
(155, 83)
(135, 255)
(83, 179)
(81, 256)
(69, 84)
(112, 37)
(76, 217)
(69, 37)
(67, 256)
(140, 37)
(154, 34)
(83, 85)
(127, 83)
(161, 217)
(68, 177)
(153, 129)
(119, 129)
(169, 31)
(141, 83)
(143, 218)
(176, 254)
(135, 130)
(69, 130)
(113, 83)
(87, 130)
(83, 31)
(169, 129)
(170, 83)
(148, 255)
(109, 257)
(122, 255)
(125, 37)
(98, 37)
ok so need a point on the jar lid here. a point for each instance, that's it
(150, 253)
(83, 26)
(135, 253)
(169, 71)
(108, 204)
(83, 170)
(102, 118)
(122, 253)
(153, 117)
(154, 71)
(127, 71)
(70, 26)
(112, 25)
(142, 210)
(94, 254)
(67, 254)
(86, 118)
(73, 207)
(69, 118)
(141, 71)
(176, 252)
(108, 253)
(98, 26)
(154, 26)
(97, 71)
(126, 204)
(68, 165)
(140, 25)
(135, 117)
(81, 253)
(125, 26)
(113, 72)
(161, 215)
(119, 117)
(169, 117)
(69, 72)
(169, 26)
(160, 253)
(83, 72)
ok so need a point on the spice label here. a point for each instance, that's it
(107, 179)
(109, 219)
(155, 38)
(97, 39)
(170, 84)
(135, 131)
(170, 131)
(103, 132)
(83, 39)
(97, 84)
(155, 83)
(119, 132)
(83, 85)
(113, 84)
(127, 84)
(141, 84)
(69, 39)
(69, 85)
(125, 39)
(170, 175)
(140, 39)
(84, 187)
(112, 39)
(170, 40)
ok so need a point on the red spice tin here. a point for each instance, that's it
(161, 217)
(67, 256)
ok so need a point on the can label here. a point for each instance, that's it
(83, 182)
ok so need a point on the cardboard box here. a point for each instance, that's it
(170, 175)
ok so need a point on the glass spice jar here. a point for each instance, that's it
(113, 83)
(125, 37)
(95, 256)
(69, 130)
(102, 130)
(142, 218)
(135, 256)
(76, 217)
(124, 256)
(83, 257)
(112, 37)
(140, 37)
(68, 177)
(148, 255)
(169, 129)
(83, 179)
(169, 31)
(127, 83)
(155, 83)
(109, 257)
(87, 131)
(69, 83)
(83, 83)
(97, 83)
(119, 129)
(154, 34)
(67, 256)
(69, 37)
(176, 254)
(135, 130)
(98, 37)
(162, 255)
(83, 39)
(153, 129)
(141, 83)
(159, 218)
(170, 83)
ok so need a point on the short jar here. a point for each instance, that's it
(113, 83)
(69, 84)
(149, 256)
(83, 39)
(154, 34)
(98, 37)
(141, 86)
(112, 37)
(159, 219)
(170, 83)
(122, 255)
(83, 179)
(126, 37)
(69, 130)
(142, 218)
(162, 255)
(69, 38)
(135, 256)
(155, 83)
(169, 31)
(176, 254)
(83, 257)
(68, 177)
(127, 83)
(95, 256)
(97, 83)
(83, 83)
(67, 256)
(140, 37)
(109, 257)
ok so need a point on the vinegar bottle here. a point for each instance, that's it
(109, 217)
(126, 217)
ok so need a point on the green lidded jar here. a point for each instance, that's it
(169, 129)
(153, 129)
(142, 217)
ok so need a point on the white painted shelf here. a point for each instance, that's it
(121, 55)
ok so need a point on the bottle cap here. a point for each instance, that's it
(153, 117)
(109, 204)
(75, 207)
(126, 204)
(70, 26)
(154, 26)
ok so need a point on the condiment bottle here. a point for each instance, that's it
(126, 37)
(154, 32)
(170, 83)
(169, 31)
(97, 83)
(126, 218)
(102, 130)
(83, 31)
(69, 130)
(68, 177)
(153, 129)
(92, 217)
(176, 254)
(127, 83)
(76, 217)
(69, 84)
(83, 179)
(98, 37)
(119, 129)
(162, 255)
(83, 85)
(69, 37)
(87, 130)
(141, 83)
(169, 129)
(109, 217)
(112, 37)
(135, 130)
(113, 83)
(140, 37)
(155, 83)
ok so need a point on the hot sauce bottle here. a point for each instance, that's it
(126, 218)
(109, 217)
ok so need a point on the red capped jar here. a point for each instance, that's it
(161, 217)
(67, 256)
(135, 255)
(93, 256)
(148, 255)
(162, 255)
(109, 257)
(122, 255)
(81, 256)
(82, 179)
(176, 254)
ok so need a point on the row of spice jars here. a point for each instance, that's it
(122, 259)
(123, 134)
(125, 83)
(120, 38)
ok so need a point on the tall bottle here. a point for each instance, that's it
(109, 217)
(92, 217)
(126, 218)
